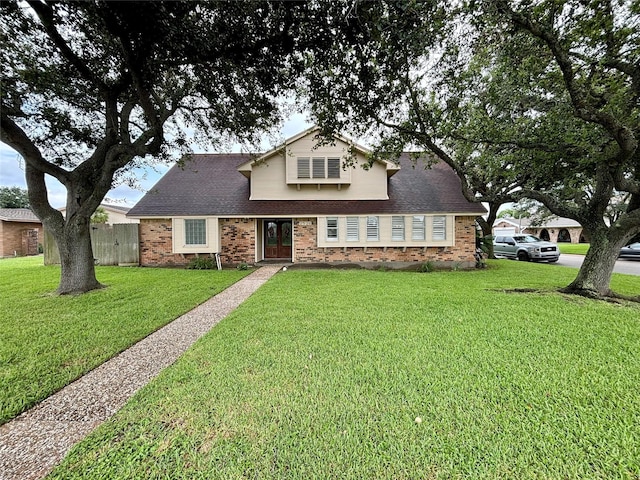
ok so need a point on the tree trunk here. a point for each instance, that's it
(595, 274)
(78, 273)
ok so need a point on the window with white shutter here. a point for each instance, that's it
(372, 229)
(318, 167)
(353, 229)
(417, 227)
(439, 228)
(303, 168)
(333, 168)
(397, 228)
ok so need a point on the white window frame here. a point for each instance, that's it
(353, 229)
(333, 167)
(332, 229)
(190, 231)
(316, 163)
(418, 228)
(305, 171)
(439, 228)
(373, 226)
(397, 228)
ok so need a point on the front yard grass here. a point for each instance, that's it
(47, 341)
(370, 374)
(574, 248)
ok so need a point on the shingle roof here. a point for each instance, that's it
(18, 215)
(552, 222)
(209, 184)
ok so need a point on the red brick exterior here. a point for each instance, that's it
(462, 253)
(19, 238)
(238, 240)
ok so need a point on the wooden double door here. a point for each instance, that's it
(278, 239)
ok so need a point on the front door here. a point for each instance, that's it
(277, 239)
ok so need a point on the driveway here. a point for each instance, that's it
(630, 266)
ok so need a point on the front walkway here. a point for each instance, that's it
(34, 442)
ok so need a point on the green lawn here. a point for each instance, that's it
(47, 341)
(370, 374)
(574, 248)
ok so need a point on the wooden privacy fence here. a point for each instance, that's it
(112, 245)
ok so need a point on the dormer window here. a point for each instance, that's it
(318, 167)
(303, 167)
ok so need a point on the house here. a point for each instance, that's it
(555, 229)
(116, 214)
(299, 203)
(20, 232)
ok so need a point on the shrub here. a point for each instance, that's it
(426, 267)
(202, 263)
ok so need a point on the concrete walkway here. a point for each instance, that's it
(34, 442)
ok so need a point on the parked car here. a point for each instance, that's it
(630, 251)
(525, 248)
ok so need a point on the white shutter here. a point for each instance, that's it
(439, 228)
(372, 229)
(353, 229)
(303, 168)
(417, 227)
(397, 228)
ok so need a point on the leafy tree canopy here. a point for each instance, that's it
(90, 89)
(13, 197)
(536, 99)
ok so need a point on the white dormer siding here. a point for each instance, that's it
(302, 170)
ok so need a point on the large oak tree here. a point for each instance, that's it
(535, 99)
(90, 89)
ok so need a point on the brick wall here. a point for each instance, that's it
(19, 238)
(462, 253)
(237, 240)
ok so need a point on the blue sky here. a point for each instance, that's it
(12, 171)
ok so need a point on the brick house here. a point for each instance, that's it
(554, 229)
(298, 203)
(20, 232)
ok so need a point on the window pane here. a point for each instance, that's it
(417, 227)
(439, 228)
(353, 227)
(195, 232)
(272, 234)
(397, 228)
(332, 228)
(286, 234)
(333, 168)
(303, 168)
(372, 228)
(318, 167)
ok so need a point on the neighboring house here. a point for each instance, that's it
(298, 204)
(20, 232)
(117, 214)
(556, 230)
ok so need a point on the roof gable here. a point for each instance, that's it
(312, 133)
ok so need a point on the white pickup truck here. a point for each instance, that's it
(525, 248)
